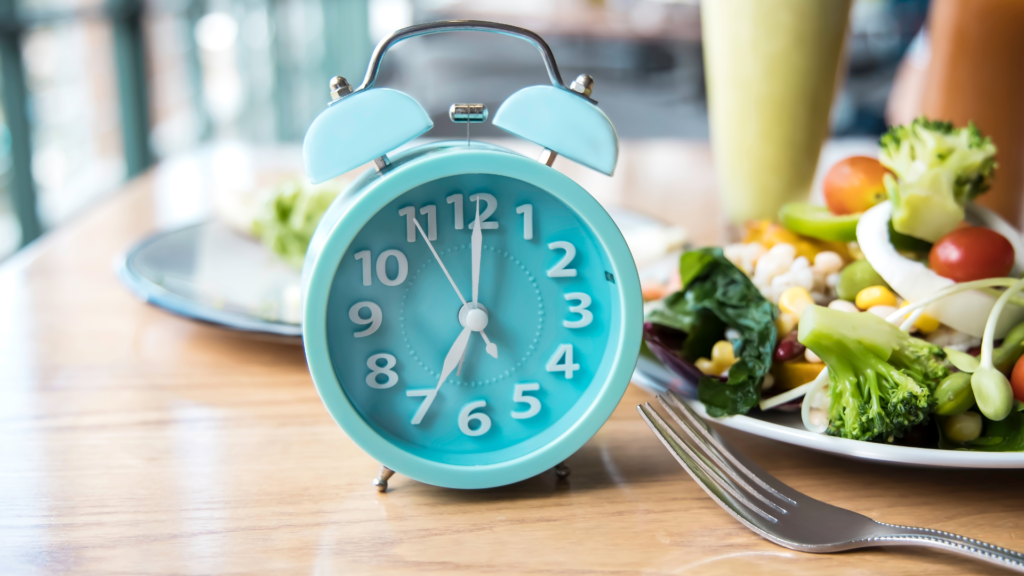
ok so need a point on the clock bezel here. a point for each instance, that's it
(371, 193)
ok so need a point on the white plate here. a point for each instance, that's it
(211, 273)
(787, 427)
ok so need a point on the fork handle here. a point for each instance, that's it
(910, 536)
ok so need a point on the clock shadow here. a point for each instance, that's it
(622, 455)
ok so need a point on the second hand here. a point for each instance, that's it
(438, 258)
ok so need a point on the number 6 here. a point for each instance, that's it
(467, 415)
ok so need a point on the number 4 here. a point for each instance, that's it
(567, 367)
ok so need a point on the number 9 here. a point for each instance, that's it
(376, 317)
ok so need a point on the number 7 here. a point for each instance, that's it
(428, 398)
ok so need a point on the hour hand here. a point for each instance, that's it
(454, 355)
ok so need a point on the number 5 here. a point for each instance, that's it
(533, 403)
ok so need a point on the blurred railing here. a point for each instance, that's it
(305, 43)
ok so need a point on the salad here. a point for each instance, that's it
(882, 316)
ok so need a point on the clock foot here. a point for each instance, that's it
(381, 481)
(562, 471)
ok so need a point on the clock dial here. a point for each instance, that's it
(465, 382)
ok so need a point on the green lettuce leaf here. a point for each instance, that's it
(288, 218)
(716, 295)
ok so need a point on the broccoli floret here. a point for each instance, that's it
(880, 379)
(936, 170)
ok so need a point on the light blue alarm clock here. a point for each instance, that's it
(471, 316)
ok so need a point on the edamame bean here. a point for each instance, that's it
(856, 277)
(961, 427)
(954, 394)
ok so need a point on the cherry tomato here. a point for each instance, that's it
(971, 253)
(1017, 380)
(855, 184)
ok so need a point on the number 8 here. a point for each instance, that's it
(376, 370)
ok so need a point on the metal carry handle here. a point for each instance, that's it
(460, 26)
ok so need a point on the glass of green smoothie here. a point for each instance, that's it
(770, 68)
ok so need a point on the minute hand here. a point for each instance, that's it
(477, 245)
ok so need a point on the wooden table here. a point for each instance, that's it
(136, 442)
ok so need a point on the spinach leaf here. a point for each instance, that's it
(716, 295)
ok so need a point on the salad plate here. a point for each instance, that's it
(787, 427)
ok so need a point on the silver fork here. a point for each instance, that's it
(783, 515)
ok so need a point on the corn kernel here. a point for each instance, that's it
(722, 354)
(785, 324)
(708, 367)
(926, 324)
(794, 300)
(875, 296)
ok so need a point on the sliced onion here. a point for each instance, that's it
(966, 311)
(815, 388)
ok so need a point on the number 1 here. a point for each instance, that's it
(527, 211)
(456, 199)
(410, 222)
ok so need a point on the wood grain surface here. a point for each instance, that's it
(136, 442)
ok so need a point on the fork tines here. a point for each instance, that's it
(711, 464)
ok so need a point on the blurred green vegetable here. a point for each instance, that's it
(287, 220)
(856, 277)
(818, 222)
(1006, 435)
(880, 378)
(936, 170)
(1012, 348)
(953, 395)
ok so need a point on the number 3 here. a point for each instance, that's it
(586, 316)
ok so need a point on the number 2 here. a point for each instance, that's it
(490, 205)
(560, 270)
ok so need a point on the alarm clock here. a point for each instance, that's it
(471, 316)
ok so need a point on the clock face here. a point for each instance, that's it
(465, 383)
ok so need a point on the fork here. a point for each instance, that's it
(781, 514)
